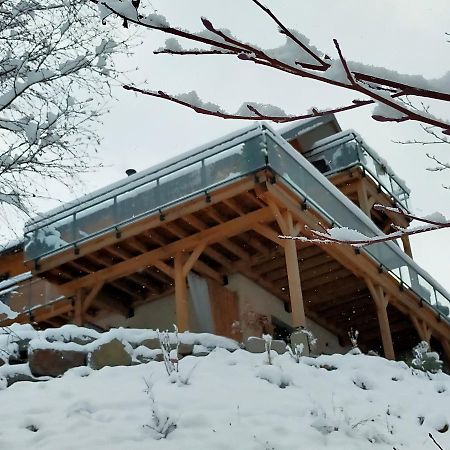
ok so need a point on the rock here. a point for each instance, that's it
(185, 349)
(278, 346)
(54, 363)
(110, 354)
(21, 355)
(17, 377)
(200, 350)
(152, 344)
(299, 338)
(255, 345)
(159, 357)
(82, 340)
(2, 362)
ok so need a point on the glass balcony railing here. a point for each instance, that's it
(197, 173)
(346, 150)
(147, 193)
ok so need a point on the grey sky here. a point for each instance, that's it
(404, 35)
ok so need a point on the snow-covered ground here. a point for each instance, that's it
(232, 400)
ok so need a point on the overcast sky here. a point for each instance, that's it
(405, 35)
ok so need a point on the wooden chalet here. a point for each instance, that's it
(194, 241)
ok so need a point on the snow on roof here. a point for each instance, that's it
(303, 126)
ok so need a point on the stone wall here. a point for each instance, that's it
(30, 355)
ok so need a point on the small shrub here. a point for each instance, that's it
(425, 360)
(170, 357)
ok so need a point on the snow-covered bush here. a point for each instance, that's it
(161, 423)
(425, 360)
(295, 351)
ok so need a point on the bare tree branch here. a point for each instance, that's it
(379, 89)
(326, 236)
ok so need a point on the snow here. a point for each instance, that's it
(346, 234)
(5, 309)
(232, 401)
(193, 99)
(263, 108)
(436, 217)
(291, 53)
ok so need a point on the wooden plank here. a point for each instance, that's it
(225, 310)
(210, 235)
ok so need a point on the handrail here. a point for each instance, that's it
(347, 137)
(141, 178)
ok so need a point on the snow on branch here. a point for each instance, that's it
(354, 238)
(382, 87)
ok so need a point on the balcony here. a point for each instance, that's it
(347, 150)
(203, 170)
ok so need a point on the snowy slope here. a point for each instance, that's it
(232, 401)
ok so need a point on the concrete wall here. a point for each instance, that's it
(157, 314)
(253, 301)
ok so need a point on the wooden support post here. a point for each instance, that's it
(181, 300)
(78, 308)
(363, 198)
(293, 272)
(381, 303)
(183, 264)
(407, 245)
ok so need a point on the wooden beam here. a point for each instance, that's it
(381, 303)
(193, 257)
(90, 297)
(78, 308)
(181, 295)
(293, 273)
(213, 234)
(363, 197)
(269, 233)
(407, 245)
(423, 330)
(163, 267)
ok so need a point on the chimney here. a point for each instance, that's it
(130, 172)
